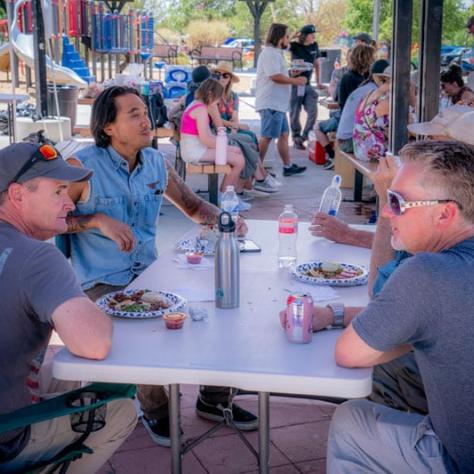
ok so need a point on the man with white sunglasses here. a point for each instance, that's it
(427, 306)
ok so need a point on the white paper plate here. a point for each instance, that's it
(300, 273)
(189, 245)
(177, 303)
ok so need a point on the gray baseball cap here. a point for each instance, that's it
(14, 157)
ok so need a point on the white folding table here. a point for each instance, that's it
(244, 347)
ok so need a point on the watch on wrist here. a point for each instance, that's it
(338, 315)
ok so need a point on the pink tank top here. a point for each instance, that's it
(188, 124)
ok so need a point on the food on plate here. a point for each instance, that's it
(332, 271)
(138, 301)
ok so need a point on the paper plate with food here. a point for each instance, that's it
(141, 304)
(332, 274)
(202, 246)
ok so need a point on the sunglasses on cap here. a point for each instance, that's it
(399, 206)
(43, 153)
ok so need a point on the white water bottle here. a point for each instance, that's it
(332, 197)
(221, 146)
(230, 202)
(287, 236)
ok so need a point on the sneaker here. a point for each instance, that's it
(246, 195)
(264, 186)
(244, 206)
(243, 419)
(298, 143)
(329, 164)
(273, 181)
(293, 169)
(159, 430)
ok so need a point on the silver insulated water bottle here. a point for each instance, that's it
(227, 269)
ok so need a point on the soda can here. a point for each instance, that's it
(299, 318)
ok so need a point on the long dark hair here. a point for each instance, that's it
(104, 111)
(276, 32)
(453, 74)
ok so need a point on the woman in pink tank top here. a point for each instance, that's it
(197, 141)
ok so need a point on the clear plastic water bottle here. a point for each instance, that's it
(332, 197)
(230, 202)
(221, 146)
(287, 236)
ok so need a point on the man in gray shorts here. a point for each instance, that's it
(40, 291)
(426, 306)
(273, 96)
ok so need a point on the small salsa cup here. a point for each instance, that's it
(174, 320)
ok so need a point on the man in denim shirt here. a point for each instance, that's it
(112, 231)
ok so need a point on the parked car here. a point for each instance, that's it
(244, 43)
(448, 56)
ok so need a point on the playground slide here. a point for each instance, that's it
(23, 45)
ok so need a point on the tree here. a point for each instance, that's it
(359, 18)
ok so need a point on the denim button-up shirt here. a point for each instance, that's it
(133, 198)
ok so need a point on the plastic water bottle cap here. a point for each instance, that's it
(336, 181)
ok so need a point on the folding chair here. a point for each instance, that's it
(88, 400)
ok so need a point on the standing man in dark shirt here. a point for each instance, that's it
(306, 49)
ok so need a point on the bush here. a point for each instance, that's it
(165, 35)
(206, 33)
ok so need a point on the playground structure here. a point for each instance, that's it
(72, 26)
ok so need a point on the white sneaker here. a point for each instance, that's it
(273, 181)
(246, 195)
(244, 206)
(265, 186)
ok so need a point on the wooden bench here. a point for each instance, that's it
(350, 168)
(85, 100)
(212, 172)
(168, 52)
(84, 131)
(215, 54)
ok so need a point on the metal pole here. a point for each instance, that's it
(10, 4)
(400, 95)
(39, 46)
(376, 20)
(256, 34)
(431, 19)
(175, 433)
(264, 432)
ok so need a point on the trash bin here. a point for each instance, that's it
(68, 96)
(327, 63)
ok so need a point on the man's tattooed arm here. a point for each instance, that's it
(77, 224)
(182, 196)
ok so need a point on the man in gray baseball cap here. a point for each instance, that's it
(23, 161)
(40, 291)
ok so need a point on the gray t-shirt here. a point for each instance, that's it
(269, 94)
(346, 122)
(35, 279)
(428, 302)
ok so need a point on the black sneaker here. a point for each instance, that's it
(293, 169)
(298, 143)
(243, 419)
(159, 430)
(329, 164)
